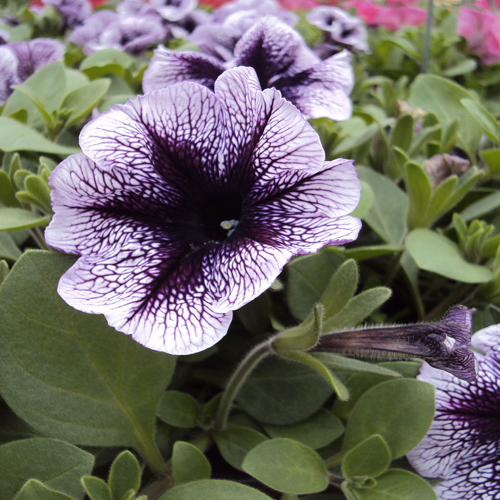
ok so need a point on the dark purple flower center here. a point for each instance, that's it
(217, 216)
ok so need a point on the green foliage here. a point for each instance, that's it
(189, 463)
(209, 489)
(90, 399)
(287, 465)
(179, 409)
(36, 490)
(401, 411)
(57, 464)
(369, 458)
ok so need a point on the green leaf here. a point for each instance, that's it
(15, 136)
(4, 270)
(179, 409)
(46, 89)
(484, 119)
(96, 488)
(355, 140)
(280, 392)
(369, 458)
(35, 490)
(443, 97)
(366, 198)
(402, 134)
(387, 216)
(8, 248)
(7, 191)
(58, 464)
(213, 489)
(189, 463)
(435, 253)
(288, 466)
(396, 484)
(358, 309)
(492, 158)
(124, 475)
(340, 289)
(308, 277)
(462, 68)
(336, 362)
(370, 252)
(12, 219)
(337, 385)
(419, 191)
(105, 62)
(235, 443)
(96, 397)
(481, 207)
(401, 411)
(317, 431)
(81, 101)
(255, 314)
(303, 336)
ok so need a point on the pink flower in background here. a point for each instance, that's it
(481, 30)
(392, 18)
(298, 4)
(401, 3)
(488, 4)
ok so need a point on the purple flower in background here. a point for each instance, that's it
(444, 345)
(462, 446)
(174, 10)
(4, 36)
(281, 60)
(186, 205)
(340, 28)
(74, 12)
(91, 29)
(133, 34)
(20, 60)
(230, 21)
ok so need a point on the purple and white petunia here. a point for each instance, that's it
(174, 10)
(462, 446)
(18, 61)
(132, 34)
(340, 28)
(187, 203)
(74, 12)
(90, 31)
(281, 60)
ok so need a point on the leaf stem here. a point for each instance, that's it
(427, 40)
(253, 358)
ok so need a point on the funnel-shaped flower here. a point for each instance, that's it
(462, 446)
(444, 345)
(281, 60)
(187, 203)
(20, 60)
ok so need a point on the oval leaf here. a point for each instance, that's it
(211, 489)
(189, 463)
(288, 466)
(369, 458)
(12, 219)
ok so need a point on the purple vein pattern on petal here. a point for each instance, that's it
(169, 66)
(186, 205)
(463, 444)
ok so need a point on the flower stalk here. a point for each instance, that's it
(253, 358)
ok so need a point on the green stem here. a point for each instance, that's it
(253, 358)
(427, 42)
(37, 235)
(154, 460)
(336, 459)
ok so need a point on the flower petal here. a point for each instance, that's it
(8, 73)
(487, 339)
(270, 138)
(157, 295)
(169, 66)
(463, 439)
(323, 90)
(98, 211)
(270, 46)
(177, 131)
(241, 269)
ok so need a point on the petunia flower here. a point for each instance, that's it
(462, 446)
(132, 34)
(20, 60)
(74, 12)
(90, 31)
(339, 27)
(230, 22)
(444, 345)
(187, 203)
(281, 60)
